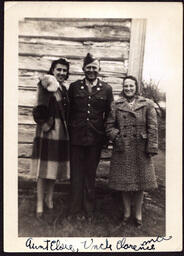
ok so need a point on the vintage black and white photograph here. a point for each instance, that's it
(93, 104)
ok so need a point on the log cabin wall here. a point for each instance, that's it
(42, 40)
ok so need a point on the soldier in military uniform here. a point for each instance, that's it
(90, 101)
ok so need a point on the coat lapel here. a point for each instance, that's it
(122, 104)
(139, 103)
(95, 89)
(83, 87)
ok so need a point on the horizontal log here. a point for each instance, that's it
(26, 133)
(43, 63)
(46, 28)
(107, 51)
(27, 98)
(79, 39)
(25, 115)
(24, 167)
(25, 151)
(29, 78)
(73, 43)
(101, 74)
(71, 57)
(81, 21)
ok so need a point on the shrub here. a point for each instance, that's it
(151, 90)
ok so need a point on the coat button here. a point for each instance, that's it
(89, 105)
(134, 135)
(124, 126)
(89, 97)
(87, 119)
(124, 116)
(124, 135)
(88, 112)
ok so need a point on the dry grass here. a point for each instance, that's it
(107, 216)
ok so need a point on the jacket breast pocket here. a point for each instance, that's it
(79, 102)
(100, 101)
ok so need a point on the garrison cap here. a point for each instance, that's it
(89, 59)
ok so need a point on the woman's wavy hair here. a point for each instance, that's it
(136, 84)
(61, 61)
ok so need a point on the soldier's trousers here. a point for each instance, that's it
(84, 162)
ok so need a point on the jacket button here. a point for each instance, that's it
(89, 97)
(88, 112)
(124, 135)
(87, 119)
(124, 116)
(89, 105)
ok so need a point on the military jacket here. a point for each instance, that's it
(88, 112)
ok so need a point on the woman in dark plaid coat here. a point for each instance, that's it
(50, 159)
(132, 126)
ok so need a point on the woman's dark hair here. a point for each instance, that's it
(136, 83)
(61, 61)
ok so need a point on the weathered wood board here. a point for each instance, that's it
(42, 40)
(26, 133)
(27, 98)
(44, 63)
(58, 28)
(25, 151)
(25, 115)
(78, 22)
(102, 50)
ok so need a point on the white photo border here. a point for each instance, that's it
(168, 13)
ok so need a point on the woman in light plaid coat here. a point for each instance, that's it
(132, 126)
(50, 158)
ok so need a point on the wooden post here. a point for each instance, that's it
(137, 43)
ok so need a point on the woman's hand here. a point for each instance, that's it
(48, 125)
(50, 83)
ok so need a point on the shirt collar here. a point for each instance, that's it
(94, 83)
